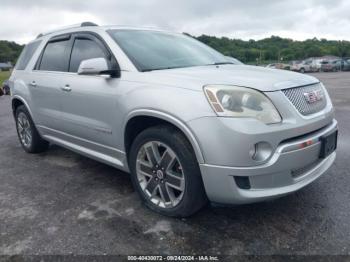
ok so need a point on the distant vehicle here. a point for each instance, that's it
(279, 66)
(303, 67)
(6, 88)
(234, 60)
(345, 64)
(316, 65)
(330, 66)
(273, 66)
(5, 66)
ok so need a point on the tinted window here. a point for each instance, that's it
(84, 49)
(26, 55)
(153, 50)
(55, 57)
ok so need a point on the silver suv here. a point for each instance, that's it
(186, 122)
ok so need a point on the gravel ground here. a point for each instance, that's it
(60, 202)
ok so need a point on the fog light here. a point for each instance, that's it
(261, 151)
(242, 182)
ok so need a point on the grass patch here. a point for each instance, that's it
(4, 76)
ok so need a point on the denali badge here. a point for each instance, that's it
(314, 96)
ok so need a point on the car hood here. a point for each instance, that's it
(260, 78)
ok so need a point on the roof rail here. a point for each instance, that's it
(88, 24)
(84, 24)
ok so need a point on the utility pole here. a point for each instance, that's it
(260, 56)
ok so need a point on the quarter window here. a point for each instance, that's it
(26, 55)
(55, 57)
(84, 49)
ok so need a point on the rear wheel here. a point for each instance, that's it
(302, 70)
(27, 132)
(165, 172)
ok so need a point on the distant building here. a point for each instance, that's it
(5, 66)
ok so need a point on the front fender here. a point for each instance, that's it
(171, 119)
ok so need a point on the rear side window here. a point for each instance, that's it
(84, 49)
(55, 57)
(26, 55)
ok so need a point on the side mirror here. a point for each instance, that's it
(96, 66)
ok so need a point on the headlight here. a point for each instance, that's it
(235, 101)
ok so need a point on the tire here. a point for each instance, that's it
(170, 142)
(302, 70)
(27, 133)
(7, 91)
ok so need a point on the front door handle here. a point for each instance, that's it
(33, 84)
(66, 88)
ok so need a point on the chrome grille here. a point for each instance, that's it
(298, 98)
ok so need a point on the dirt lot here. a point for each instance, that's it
(62, 203)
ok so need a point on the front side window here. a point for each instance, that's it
(155, 50)
(84, 49)
(26, 55)
(55, 56)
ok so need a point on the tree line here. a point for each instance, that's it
(269, 49)
(9, 51)
(276, 48)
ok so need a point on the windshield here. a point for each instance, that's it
(154, 50)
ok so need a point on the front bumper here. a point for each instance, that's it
(289, 169)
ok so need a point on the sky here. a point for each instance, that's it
(23, 20)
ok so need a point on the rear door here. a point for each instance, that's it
(89, 102)
(45, 82)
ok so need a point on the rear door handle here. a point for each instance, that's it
(66, 88)
(33, 84)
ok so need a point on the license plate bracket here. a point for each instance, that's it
(328, 144)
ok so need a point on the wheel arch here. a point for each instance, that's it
(18, 101)
(152, 118)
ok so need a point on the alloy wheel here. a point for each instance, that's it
(24, 129)
(160, 174)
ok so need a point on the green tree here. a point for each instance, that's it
(273, 48)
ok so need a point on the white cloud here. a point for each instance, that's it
(233, 18)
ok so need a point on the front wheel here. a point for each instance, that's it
(165, 172)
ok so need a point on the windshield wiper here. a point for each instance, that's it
(154, 69)
(221, 63)
(174, 67)
(163, 68)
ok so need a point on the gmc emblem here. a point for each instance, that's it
(314, 96)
